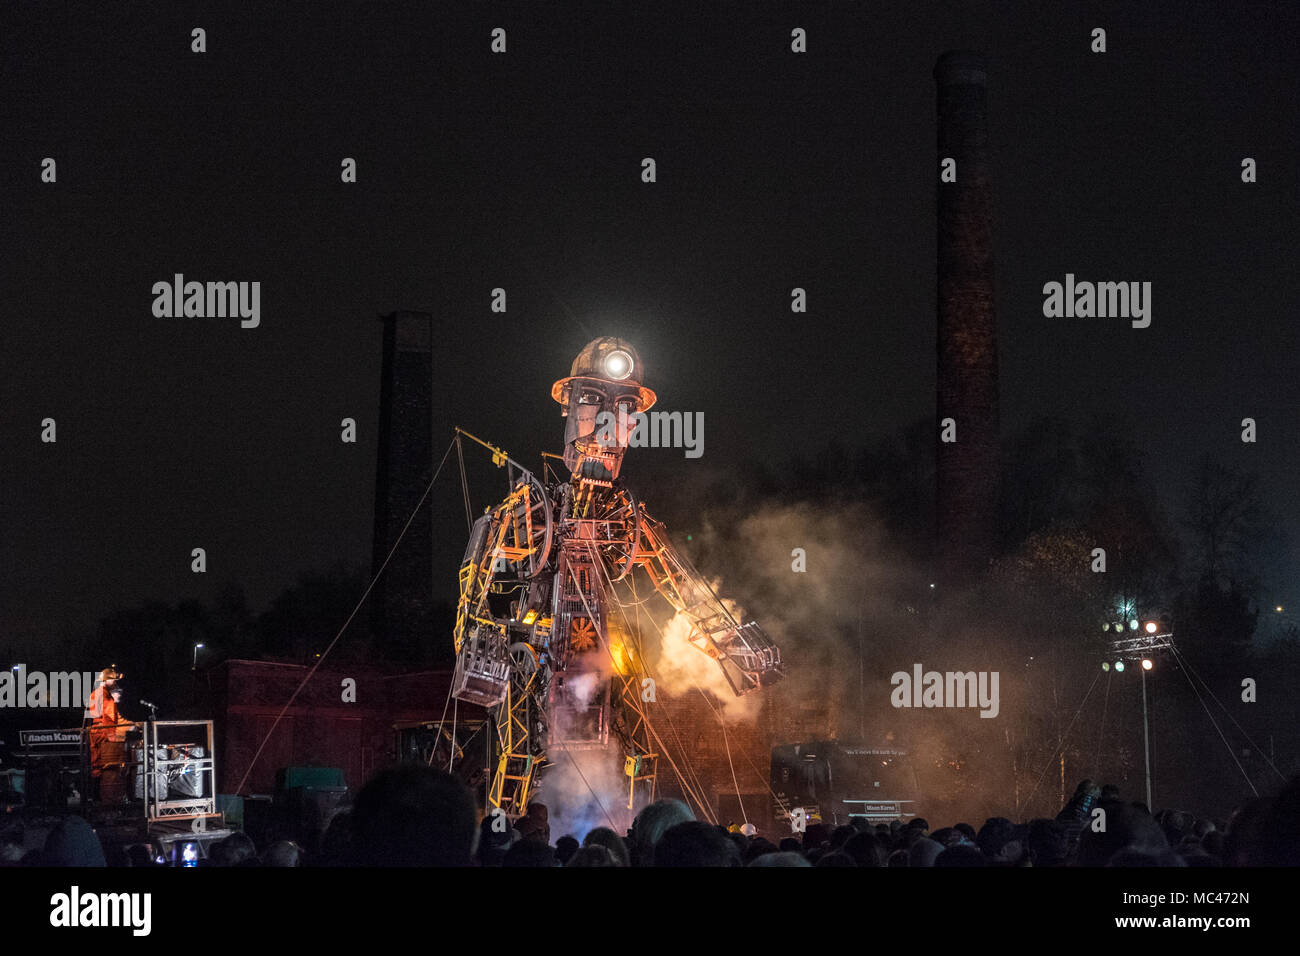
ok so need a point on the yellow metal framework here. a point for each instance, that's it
(512, 782)
(514, 536)
(642, 764)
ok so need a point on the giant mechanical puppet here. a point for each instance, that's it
(537, 643)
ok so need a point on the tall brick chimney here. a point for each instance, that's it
(967, 470)
(403, 597)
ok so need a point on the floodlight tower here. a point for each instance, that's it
(1154, 638)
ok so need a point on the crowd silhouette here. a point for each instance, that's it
(418, 816)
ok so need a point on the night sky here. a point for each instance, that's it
(522, 171)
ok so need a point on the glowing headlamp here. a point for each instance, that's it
(618, 365)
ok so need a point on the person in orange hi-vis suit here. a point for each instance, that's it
(107, 733)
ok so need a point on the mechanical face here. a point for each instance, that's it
(604, 389)
(599, 423)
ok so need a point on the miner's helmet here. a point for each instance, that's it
(608, 360)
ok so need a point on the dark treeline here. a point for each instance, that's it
(154, 643)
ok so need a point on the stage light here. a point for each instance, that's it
(1132, 625)
(1146, 664)
(1105, 665)
(1119, 666)
(1152, 627)
(1106, 626)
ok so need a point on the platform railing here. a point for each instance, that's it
(180, 761)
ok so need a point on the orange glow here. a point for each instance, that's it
(620, 655)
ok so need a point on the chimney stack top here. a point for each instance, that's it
(961, 67)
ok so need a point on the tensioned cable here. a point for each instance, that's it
(464, 484)
(1186, 664)
(698, 784)
(1200, 700)
(369, 587)
(766, 783)
(694, 792)
(1101, 734)
(451, 751)
(1060, 745)
(727, 744)
(596, 561)
(637, 605)
(594, 795)
(636, 633)
(445, 704)
(726, 611)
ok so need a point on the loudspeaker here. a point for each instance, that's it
(185, 780)
(160, 778)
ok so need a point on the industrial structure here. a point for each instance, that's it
(967, 454)
(543, 635)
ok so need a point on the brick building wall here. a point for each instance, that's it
(695, 738)
(320, 728)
